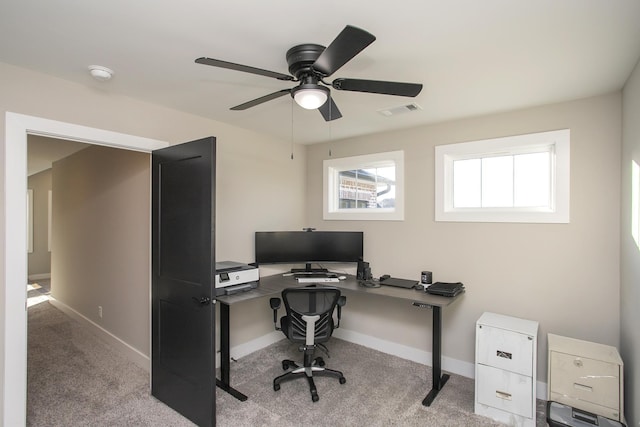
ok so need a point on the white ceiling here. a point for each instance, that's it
(473, 56)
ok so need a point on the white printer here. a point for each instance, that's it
(234, 277)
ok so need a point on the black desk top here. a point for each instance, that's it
(273, 285)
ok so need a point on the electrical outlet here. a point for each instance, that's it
(100, 311)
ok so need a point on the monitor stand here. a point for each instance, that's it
(309, 270)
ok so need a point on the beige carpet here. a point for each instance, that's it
(74, 379)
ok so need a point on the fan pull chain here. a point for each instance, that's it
(292, 128)
(330, 122)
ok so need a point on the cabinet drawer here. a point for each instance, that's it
(581, 378)
(504, 390)
(612, 413)
(504, 349)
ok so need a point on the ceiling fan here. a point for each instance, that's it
(309, 64)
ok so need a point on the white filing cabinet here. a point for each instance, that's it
(586, 375)
(506, 359)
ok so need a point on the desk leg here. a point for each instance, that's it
(225, 356)
(438, 379)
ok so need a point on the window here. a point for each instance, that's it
(369, 187)
(523, 178)
(29, 220)
(49, 219)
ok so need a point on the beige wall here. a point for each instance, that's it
(101, 239)
(259, 186)
(630, 260)
(118, 269)
(566, 276)
(40, 259)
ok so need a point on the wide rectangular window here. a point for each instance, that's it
(507, 181)
(523, 178)
(364, 187)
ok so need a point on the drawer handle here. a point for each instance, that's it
(582, 387)
(586, 417)
(504, 354)
(503, 395)
(578, 363)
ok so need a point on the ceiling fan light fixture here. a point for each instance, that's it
(100, 73)
(310, 64)
(310, 96)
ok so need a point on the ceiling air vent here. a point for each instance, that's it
(394, 111)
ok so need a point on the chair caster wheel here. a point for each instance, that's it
(342, 380)
(315, 397)
(285, 366)
(276, 387)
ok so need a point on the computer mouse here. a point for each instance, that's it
(342, 277)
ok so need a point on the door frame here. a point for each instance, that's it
(17, 129)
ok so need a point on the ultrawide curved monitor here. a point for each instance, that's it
(293, 247)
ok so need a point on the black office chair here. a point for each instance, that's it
(309, 321)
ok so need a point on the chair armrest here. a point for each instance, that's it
(275, 305)
(342, 301)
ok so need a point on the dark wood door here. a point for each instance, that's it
(183, 286)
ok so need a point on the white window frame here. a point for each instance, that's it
(558, 212)
(332, 169)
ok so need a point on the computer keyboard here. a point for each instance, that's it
(318, 279)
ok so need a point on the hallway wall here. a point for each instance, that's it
(40, 259)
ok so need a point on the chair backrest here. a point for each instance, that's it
(310, 301)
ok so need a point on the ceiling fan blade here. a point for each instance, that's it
(245, 68)
(348, 44)
(329, 110)
(260, 100)
(375, 86)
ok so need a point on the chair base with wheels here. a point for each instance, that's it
(311, 367)
(309, 321)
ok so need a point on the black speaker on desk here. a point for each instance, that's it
(364, 271)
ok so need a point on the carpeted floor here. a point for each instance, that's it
(74, 379)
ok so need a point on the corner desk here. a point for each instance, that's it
(273, 285)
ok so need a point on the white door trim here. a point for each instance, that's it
(17, 127)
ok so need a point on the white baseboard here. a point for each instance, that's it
(42, 276)
(449, 364)
(409, 353)
(541, 390)
(116, 343)
(254, 345)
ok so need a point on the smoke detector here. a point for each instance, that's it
(100, 73)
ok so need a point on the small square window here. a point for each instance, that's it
(364, 187)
